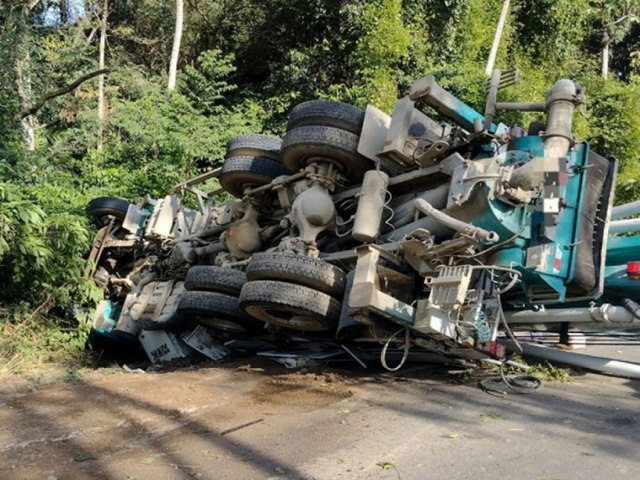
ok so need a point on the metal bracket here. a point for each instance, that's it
(365, 295)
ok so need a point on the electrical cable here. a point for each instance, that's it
(518, 384)
(515, 276)
(506, 326)
(522, 384)
(510, 285)
(346, 222)
(496, 246)
(405, 354)
(342, 224)
(387, 221)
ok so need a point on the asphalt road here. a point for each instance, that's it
(244, 423)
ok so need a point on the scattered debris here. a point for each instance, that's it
(386, 465)
(240, 427)
(153, 457)
(127, 369)
(163, 346)
(83, 458)
(310, 353)
(202, 341)
(492, 416)
(354, 356)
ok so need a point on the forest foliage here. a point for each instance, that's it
(243, 65)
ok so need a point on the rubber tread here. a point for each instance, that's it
(101, 207)
(209, 278)
(327, 113)
(215, 310)
(306, 271)
(255, 145)
(301, 145)
(289, 305)
(241, 172)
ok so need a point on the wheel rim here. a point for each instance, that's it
(221, 324)
(340, 166)
(297, 320)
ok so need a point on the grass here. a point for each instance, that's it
(73, 375)
(30, 343)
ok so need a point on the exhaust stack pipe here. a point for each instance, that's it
(560, 107)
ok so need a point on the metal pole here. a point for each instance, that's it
(597, 364)
(625, 210)
(604, 314)
(625, 226)
(496, 38)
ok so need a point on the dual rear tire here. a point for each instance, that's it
(252, 160)
(211, 300)
(282, 289)
(293, 291)
(327, 131)
(318, 130)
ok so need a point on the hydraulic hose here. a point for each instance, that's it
(455, 224)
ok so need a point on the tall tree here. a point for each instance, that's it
(617, 18)
(23, 72)
(175, 51)
(102, 107)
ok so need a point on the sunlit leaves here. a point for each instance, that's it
(206, 83)
(385, 43)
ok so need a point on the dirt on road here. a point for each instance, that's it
(239, 422)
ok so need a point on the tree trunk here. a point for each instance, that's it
(64, 12)
(23, 77)
(102, 108)
(605, 54)
(23, 81)
(175, 52)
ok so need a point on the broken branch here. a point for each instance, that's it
(59, 92)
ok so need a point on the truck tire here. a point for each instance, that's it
(306, 271)
(208, 278)
(102, 207)
(302, 145)
(217, 311)
(241, 172)
(255, 145)
(290, 306)
(327, 113)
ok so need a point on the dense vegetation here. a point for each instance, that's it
(242, 66)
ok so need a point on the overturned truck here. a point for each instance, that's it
(440, 232)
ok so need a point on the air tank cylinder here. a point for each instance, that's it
(366, 226)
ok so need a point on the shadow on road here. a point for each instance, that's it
(157, 423)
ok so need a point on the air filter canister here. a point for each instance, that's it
(366, 227)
